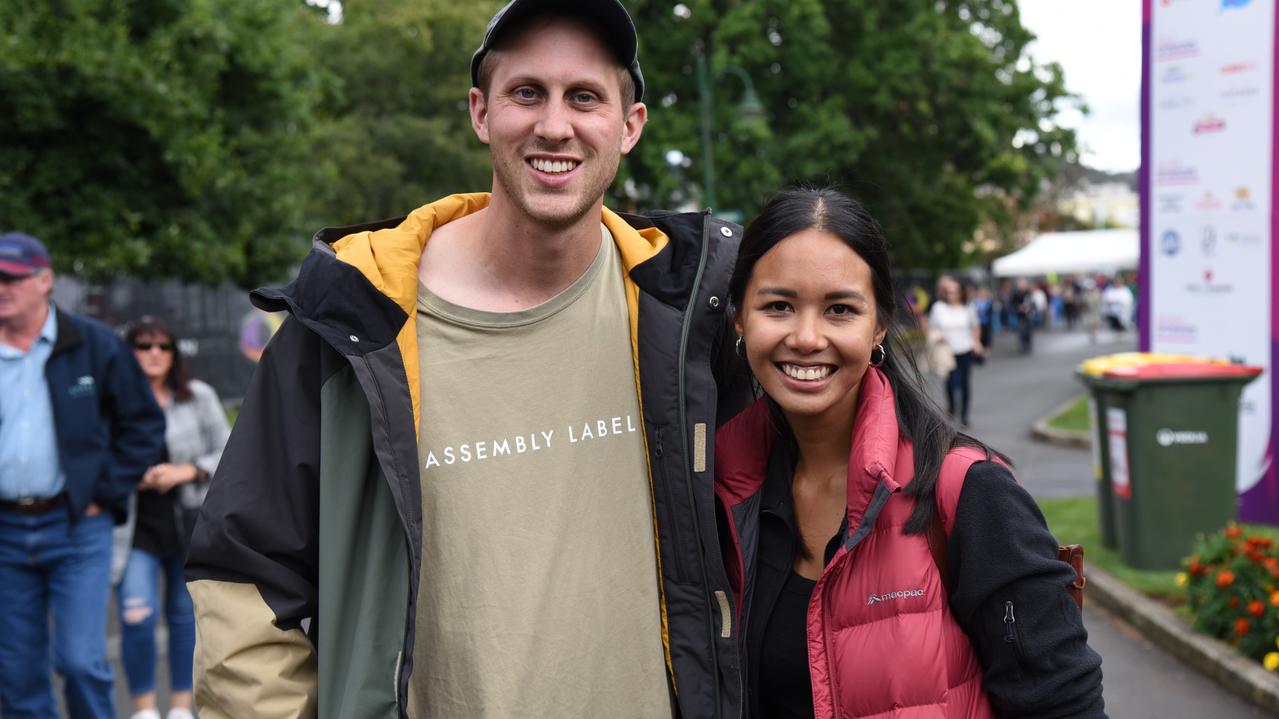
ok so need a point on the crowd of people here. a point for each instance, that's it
(515, 454)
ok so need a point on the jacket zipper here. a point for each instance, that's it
(688, 475)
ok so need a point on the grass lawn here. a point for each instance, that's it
(1074, 521)
(1073, 418)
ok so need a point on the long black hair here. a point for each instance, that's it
(178, 379)
(918, 416)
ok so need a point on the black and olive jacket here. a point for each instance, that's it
(305, 560)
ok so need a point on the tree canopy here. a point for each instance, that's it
(158, 137)
(206, 139)
(930, 111)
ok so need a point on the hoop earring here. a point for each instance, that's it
(883, 355)
(741, 351)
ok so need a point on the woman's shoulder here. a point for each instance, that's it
(202, 392)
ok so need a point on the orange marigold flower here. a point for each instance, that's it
(1256, 608)
(1274, 599)
(1225, 578)
(1242, 626)
(1232, 602)
(1266, 542)
(1196, 568)
(1233, 531)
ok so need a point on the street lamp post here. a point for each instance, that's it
(749, 107)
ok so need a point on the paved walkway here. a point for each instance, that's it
(1011, 391)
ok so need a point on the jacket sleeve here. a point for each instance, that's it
(251, 569)
(137, 428)
(1009, 595)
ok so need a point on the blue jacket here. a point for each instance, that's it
(109, 427)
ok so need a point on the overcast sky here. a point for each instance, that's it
(1098, 43)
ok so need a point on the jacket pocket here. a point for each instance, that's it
(673, 535)
(1012, 637)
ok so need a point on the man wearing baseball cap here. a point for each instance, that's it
(78, 427)
(473, 474)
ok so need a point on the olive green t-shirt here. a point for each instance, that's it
(538, 595)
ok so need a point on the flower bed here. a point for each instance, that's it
(1232, 587)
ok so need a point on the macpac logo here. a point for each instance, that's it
(900, 594)
(1168, 437)
(1210, 124)
(1170, 243)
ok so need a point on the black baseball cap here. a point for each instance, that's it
(608, 17)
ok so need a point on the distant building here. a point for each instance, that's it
(1111, 203)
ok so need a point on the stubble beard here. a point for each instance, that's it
(512, 176)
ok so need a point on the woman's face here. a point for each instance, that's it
(950, 291)
(808, 322)
(155, 354)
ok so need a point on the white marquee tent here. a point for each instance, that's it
(1072, 253)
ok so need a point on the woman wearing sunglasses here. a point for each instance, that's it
(168, 500)
(883, 565)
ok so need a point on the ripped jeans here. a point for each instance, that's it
(139, 599)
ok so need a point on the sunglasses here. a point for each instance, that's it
(148, 346)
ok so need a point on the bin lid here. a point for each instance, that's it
(1098, 366)
(1184, 370)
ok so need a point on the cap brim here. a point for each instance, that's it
(17, 269)
(609, 16)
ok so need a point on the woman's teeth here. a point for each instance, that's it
(807, 374)
(552, 166)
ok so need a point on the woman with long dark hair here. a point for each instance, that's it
(880, 559)
(169, 497)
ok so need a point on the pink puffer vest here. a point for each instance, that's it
(881, 640)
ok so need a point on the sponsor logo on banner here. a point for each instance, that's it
(1234, 4)
(1210, 124)
(1176, 330)
(1208, 241)
(1175, 173)
(1176, 49)
(1244, 239)
(1170, 243)
(1177, 102)
(1208, 202)
(1238, 68)
(1210, 285)
(1243, 200)
(1170, 202)
(1174, 75)
(1238, 92)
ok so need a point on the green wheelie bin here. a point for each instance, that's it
(1172, 444)
(1088, 373)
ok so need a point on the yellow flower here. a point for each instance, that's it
(1182, 579)
(1271, 661)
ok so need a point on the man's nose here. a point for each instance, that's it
(556, 122)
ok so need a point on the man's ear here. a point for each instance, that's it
(636, 116)
(479, 114)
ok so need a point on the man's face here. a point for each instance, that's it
(554, 122)
(24, 298)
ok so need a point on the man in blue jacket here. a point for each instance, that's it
(78, 427)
